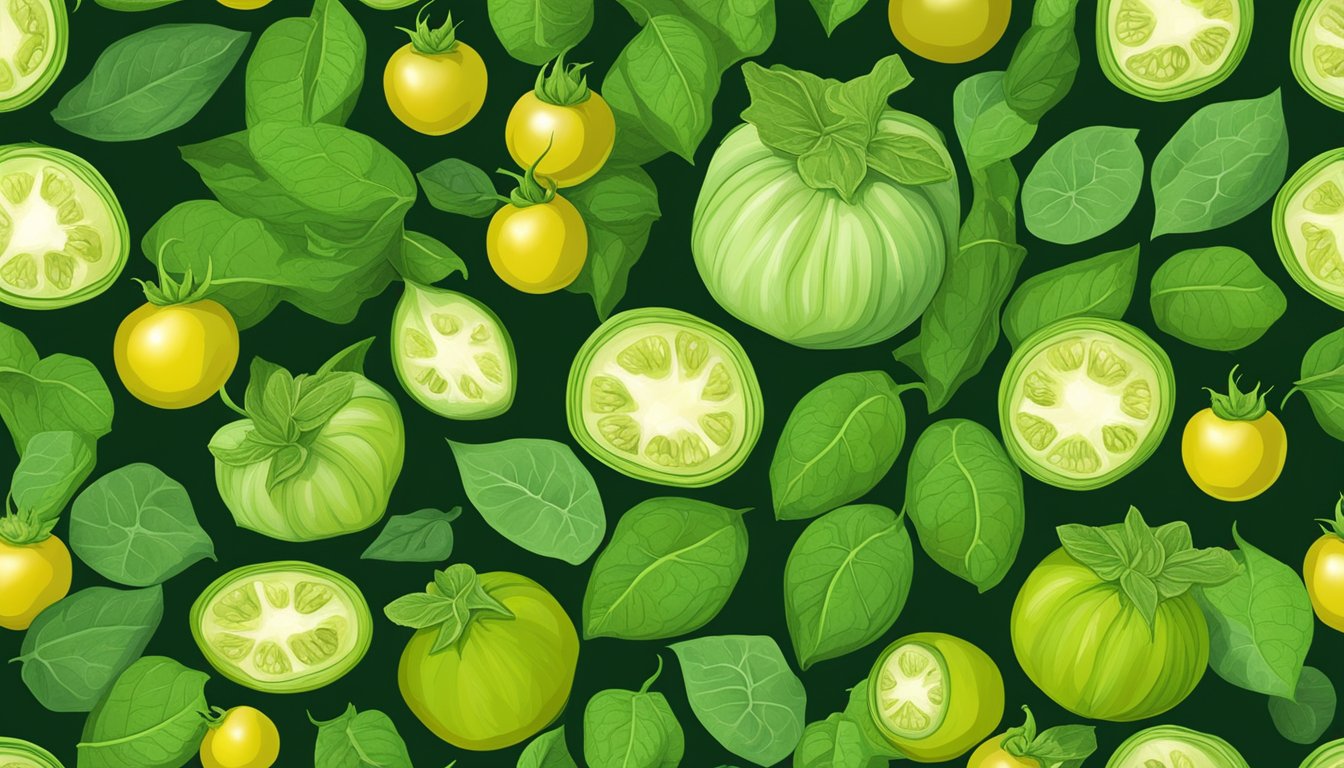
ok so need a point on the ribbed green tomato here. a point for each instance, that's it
(1087, 647)
(17, 753)
(1171, 746)
(34, 37)
(1163, 50)
(1309, 225)
(1328, 755)
(1318, 50)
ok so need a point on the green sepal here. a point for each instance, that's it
(1237, 405)
(561, 85)
(432, 41)
(449, 603)
(1335, 525)
(215, 717)
(167, 291)
(1148, 565)
(1064, 746)
(24, 528)
(532, 189)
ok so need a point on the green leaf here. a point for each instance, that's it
(535, 33)
(53, 466)
(672, 75)
(1226, 161)
(133, 5)
(50, 394)
(1260, 624)
(840, 440)
(964, 496)
(669, 569)
(836, 742)
(1322, 382)
(846, 581)
(736, 30)
(987, 128)
(449, 604)
(547, 751)
(75, 649)
(1305, 717)
(424, 259)
(424, 536)
(355, 739)
(536, 494)
(619, 206)
(456, 186)
(1101, 286)
(1215, 298)
(1064, 746)
(632, 729)
(856, 711)
(307, 70)
(152, 717)
(743, 692)
(151, 82)
(136, 526)
(908, 158)
(835, 12)
(1045, 61)
(1084, 185)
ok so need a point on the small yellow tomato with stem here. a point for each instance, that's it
(562, 127)
(537, 242)
(1323, 570)
(949, 31)
(1235, 449)
(244, 5)
(1024, 747)
(242, 737)
(435, 84)
(35, 568)
(179, 348)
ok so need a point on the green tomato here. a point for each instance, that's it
(663, 396)
(17, 753)
(388, 5)
(1328, 755)
(934, 696)
(1171, 746)
(1163, 50)
(1318, 50)
(452, 354)
(1090, 650)
(63, 235)
(1309, 225)
(282, 627)
(34, 37)
(1085, 401)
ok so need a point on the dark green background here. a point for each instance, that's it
(150, 178)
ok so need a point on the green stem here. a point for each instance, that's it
(232, 406)
(645, 687)
(432, 41)
(531, 190)
(562, 86)
(1237, 405)
(1334, 526)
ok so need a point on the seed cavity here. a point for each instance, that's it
(1076, 455)
(719, 387)
(1106, 367)
(310, 596)
(1067, 355)
(1216, 9)
(470, 387)
(692, 352)
(316, 645)
(1210, 43)
(1325, 199)
(1137, 400)
(56, 186)
(1119, 438)
(1160, 65)
(432, 381)
(276, 594)
(20, 271)
(1038, 432)
(680, 450)
(649, 356)
(621, 432)
(16, 187)
(1332, 18)
(718, 426)
(1040, 389)
(490, 367)
(607, 394)
(84, 242)
(445, 323)
(418, 345)
(271, 659)
(480, 334)
(1134, 23)
(60, 269)
(1323, 257)
(234, 647)
(237, 608)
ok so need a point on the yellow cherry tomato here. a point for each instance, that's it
(562, 128)
(1235, 449)
(436, 83)
(538, 248)
(178, 355)
(949, 31)
(32, 577)
(244, 5)
(1323, 571)
(244, 737)
(991, 754)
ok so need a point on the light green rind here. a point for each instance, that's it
(1307, 26)
(1328, 755)
(1178, 88)
(1311, 173)
(59, 27)
(17, 753)
(1171, 746)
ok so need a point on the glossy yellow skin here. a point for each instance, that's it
(32, 577)
(949, 31)
(1233, 460)
(435, 93)
(992, 755)
(579, 136)
(1323, 571)
(176, 356)
(244, 738)
(540, 248)
(244, 5)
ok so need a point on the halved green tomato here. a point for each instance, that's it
(1171, 746)
(282, 627)
(63, 236)
(452, 354)
(1328, 755)
(17, 753)
(1309, 226)
(33, 41)
(663, 396)
(935, 696)
(1163, 50)
(1085, 401)
(1318, 50)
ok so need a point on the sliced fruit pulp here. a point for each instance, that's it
(57, 234)
(1322, 46)
(1160, 42)
(1083, 403)
(1167, 753)
(275, 627)
(27, 44)
(667, 395)
(1314, 222)
(453, 353)
(911, 691)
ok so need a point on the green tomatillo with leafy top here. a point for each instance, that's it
(537, 241)
(562, 127)
(436, 83)
(1064, 746)
(1235, 449)
(1106, 626)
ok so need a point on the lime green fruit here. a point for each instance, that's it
(34, 36)
(1317, 53)
(17, 753)
(1309, 226)
(1163, 50)
(1171, 746)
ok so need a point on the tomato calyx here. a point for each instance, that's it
(215, 717)
(1063, 746)
(1334, 526)
(432, 41)
(1237, 405)
(168, 292)
(532, 189)
(562, 85)
(1147, 565)
(24, 527)
(450, 603)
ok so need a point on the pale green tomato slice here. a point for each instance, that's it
(17, 753)
(63, 236)
(664, 396)
(1164, 50)
(1171, 746)
(1318, 50)
(1309, 227)
(452, 354)
(33, 43)
(1085, 401)
(282, 627)
(910, 690)
(1328, 755)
